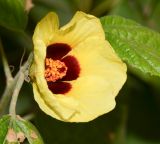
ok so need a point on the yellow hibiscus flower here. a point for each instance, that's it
(76, 74)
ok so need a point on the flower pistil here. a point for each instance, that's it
(55, 70)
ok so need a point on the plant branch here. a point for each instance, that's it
(22, 74)
(7, 95)
(14, 85)
(5, 64)
(9, 81)
(29, 116)
(12, 109)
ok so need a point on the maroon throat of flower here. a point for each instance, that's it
(60, 68)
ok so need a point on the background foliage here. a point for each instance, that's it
(135, 120)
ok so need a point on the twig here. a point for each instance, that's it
(16, 91)
(17, 88)
(9, 81)
(29, 116)
(5, 64)
(7, 95)
(14, 86)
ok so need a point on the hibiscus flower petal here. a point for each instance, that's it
(101, 77)
(57, 50)
(63, 107)
(96, 57)
(95, 95)
(46, 28)
(55, 105)
(59, 87)
(81, 27)
(73, 68)
(42, 103)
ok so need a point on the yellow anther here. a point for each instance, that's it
(55, 69)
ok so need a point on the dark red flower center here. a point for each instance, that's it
(60, 68)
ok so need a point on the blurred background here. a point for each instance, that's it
(136, 118)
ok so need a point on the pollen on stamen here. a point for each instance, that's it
(54, 70)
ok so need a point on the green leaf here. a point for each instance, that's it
(29, 131)
(137, 45)
(4, 123)
(13, 15)
(16, 130)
